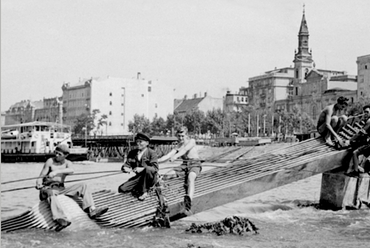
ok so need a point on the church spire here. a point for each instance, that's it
(303, 53)
(303, 57)
(303, 29)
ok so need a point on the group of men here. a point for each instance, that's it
(330, 122)
(144, 162)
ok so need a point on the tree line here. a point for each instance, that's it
(214, 123)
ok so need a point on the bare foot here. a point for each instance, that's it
(343, 143)
(329, 142)
(143, 196)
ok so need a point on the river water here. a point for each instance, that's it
(281, 222)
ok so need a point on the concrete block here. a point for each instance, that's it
(340, 191)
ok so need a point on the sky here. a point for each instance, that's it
(192, 46)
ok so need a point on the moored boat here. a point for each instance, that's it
(36, 141)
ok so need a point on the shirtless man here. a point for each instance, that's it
(51, 183)
(330, 121)
(191, 167)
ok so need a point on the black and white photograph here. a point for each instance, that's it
(186, 124)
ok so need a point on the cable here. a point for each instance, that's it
(77, 180)
(74, 174)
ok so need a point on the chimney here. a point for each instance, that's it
(195, 96)
(185, 97)
(138, 75)
(205, 94)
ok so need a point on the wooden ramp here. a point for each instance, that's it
(215, 187)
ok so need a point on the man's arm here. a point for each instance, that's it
(130, 162)
(150, 160)
(366, 128)
(66, 171)
(43, 173)
(184, 149)
(154, 159)
(125, 168)
(329, 112)
(167, 156)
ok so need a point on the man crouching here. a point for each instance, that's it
(331, 120)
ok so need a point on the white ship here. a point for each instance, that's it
(36, 141)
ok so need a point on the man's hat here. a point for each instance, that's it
(62, 148)
(366, 106)
(182, 130)
(142, 136)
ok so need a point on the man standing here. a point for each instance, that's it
(331, 121)
(51, 184)
(191, 166)
(144, 162)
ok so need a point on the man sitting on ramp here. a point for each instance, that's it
(191, 165)
(331, 120)
(144, 162)
(51, 184)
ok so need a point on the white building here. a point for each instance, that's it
(203, 103)
(118, 98)
(235, 102)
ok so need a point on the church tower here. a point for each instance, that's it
(303, 57)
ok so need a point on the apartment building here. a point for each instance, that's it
(118, 98)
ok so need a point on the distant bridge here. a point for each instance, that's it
(115, 146)
(117, 140)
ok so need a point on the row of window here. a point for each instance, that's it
(149, 90)
(75, 95)
(78, 103)
(241, 99)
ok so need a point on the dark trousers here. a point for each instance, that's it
(140, 183)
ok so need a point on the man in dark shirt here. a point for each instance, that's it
(144, 162)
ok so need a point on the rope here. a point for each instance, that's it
(355, 116)
(116, 172)
(77, 180)
(74, 174)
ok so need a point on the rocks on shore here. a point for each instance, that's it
(230, 225)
